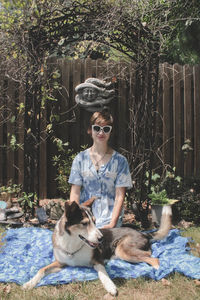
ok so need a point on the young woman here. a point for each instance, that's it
(102, 173)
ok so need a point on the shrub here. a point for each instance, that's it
(28, 201)
(11, 188)
(63, 162)
(188, 207)
(163, 187)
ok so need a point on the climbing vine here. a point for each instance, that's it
(34, 31)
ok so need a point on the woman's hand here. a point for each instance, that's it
(90, 201)
(108, 226)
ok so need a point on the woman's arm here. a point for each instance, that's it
(119, 200)
(75, 193)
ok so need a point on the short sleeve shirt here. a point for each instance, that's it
(101, 184)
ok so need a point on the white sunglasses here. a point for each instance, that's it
(106, 129)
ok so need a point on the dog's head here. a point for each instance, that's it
(79, 222)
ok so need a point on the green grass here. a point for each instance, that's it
(177, 287)
(193, 232)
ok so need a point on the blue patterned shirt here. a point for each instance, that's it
(101, 184)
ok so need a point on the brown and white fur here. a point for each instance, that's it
(78, 242)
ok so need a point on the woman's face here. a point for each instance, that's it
(101, 132)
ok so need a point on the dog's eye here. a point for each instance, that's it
(85, 223)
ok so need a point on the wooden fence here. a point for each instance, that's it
(180, 108)
(178, 119)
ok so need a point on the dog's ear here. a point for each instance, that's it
(66, 206)
(73, 213)
(70, 207)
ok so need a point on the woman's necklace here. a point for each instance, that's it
(96, 162)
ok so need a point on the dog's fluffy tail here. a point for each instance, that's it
(165, 223)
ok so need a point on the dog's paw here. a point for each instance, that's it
(156, 267)
(27, 286)
(112, 290)
(156, 263)
(108, 296)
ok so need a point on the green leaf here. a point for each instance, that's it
(12, 120)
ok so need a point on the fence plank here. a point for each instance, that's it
(122, 115)
(43, 155)
(51, 149)
(65, 99)
(2, 108)
(158, 158)
(10, 131)
(188, 118)
(131, 100)
(196, 120)
(100, 68)
(76, 126)
(177, 117)
(90, 68)
(20, 126)
(167, 115)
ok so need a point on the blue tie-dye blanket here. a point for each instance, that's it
(24, 251)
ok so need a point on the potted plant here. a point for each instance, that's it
(161, 188)
(158, 201)
(8, 192)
